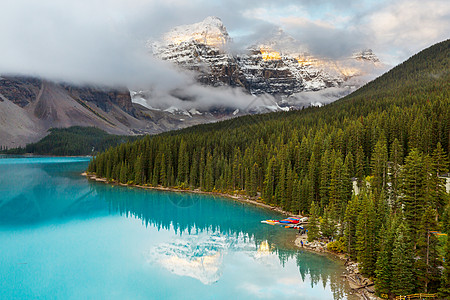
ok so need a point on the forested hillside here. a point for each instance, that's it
(74, 140)
(392, 135)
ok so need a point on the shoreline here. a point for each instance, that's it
(45, 155)
(357, 283)
(236, 197)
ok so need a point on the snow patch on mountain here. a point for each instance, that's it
(210, 31)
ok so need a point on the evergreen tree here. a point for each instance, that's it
(269, 182)
(446, 217)
(237, 169)
(289, 187)
(379, 166)
(396, 154)
(402, 282)
(350, 163)
(360, 165)
(305, 194)
(427, 252)
(444, 290)
(163, 171)
(396, 157)
(138, 171)
(440, 167)
(313, 226)
(253, 187)
(383, 267)
(351, 218)
(413, 197)
(335, 185)
(280, 190)
(327, 226)
(123, 173)
(183, 163)
(209, 179)
(314, 177)
(156, 170)
(193, 174)
(99, 168)
(297, 196)
(382, 213)
(365, 236)
(346, 186)
(116, 172)
(324, 180)
(109, 167)
(429, 183)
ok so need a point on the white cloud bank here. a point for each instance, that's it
(102, 42)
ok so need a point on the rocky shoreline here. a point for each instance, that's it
(359, 285)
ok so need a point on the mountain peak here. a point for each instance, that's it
(210, 31)
(367, 55)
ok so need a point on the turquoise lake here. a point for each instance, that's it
(64, 237)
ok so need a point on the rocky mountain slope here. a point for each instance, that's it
(277, 65)
(30, 106)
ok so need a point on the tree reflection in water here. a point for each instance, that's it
(239, 223)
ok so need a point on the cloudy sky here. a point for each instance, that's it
(103, 41)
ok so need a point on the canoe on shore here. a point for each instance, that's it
(291, 222)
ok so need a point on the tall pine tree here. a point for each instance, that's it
(402, 263)
(413, 197)
(313, 226)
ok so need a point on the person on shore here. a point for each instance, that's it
(301, 242)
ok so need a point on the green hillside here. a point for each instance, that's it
(392, 135)
(74, 140)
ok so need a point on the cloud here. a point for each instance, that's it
(324, 39)
(404, 27)
(206, 98)
(394, 29)
(98, 42)
(79, 41)
(318, 98)
(90, 41)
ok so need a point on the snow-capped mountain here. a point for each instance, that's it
(277, 65)
(210, 31)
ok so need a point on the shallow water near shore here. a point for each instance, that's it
(65, 237)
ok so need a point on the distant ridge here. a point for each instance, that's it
(431, 65)
(30, 106)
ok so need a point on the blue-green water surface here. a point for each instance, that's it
(64, 237)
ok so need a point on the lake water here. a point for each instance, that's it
(64, 237)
